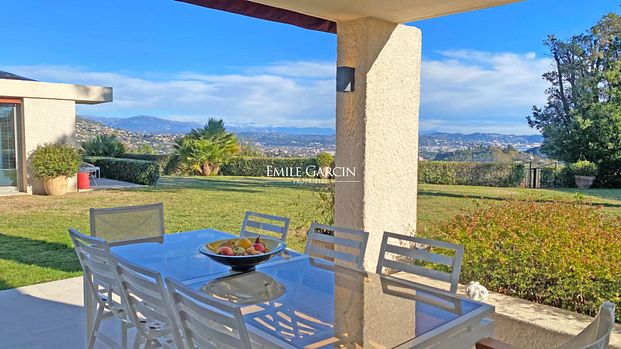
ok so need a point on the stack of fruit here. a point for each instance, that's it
(241, 247)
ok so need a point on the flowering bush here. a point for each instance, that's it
(563, 254)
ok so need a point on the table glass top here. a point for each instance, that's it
(178, 256)
(323, 306)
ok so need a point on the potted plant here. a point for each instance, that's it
(584, 173)
(54, 163)
(324, 160)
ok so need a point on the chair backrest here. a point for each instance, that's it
(147, 298)
(255, 224)
(414, 255)
(121, 225)
(597, 334)
(99, 271)
(337, 244)
(207, 322)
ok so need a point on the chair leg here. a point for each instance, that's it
(137, 340)
(93, 335)
(124, 327)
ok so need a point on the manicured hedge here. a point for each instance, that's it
(128, 170)
(563, 254)
(168, 163)
(257, 167)
(471, 173)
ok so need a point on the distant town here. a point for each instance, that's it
(280, 141)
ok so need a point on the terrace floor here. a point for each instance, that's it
(49, 315)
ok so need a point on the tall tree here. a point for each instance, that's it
(581, 119)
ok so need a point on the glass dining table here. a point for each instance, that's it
(296, 301)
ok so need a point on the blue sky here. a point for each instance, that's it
(481, 70)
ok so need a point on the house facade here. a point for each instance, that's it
(33, 113)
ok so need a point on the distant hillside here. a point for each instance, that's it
(488, 154)
(438, 138)
(146, 124)
(87, 129)
(286, 141)
(249, 128)
(155, 125)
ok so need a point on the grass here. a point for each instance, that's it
(35, 246)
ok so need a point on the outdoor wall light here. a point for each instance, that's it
(345, 79)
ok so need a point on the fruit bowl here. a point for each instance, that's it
(242, 263)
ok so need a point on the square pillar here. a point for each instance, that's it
(377, 129)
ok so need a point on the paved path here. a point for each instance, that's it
(105, 183)
(46, 316)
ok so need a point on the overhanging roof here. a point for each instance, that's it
(81, 94)
(322, 15)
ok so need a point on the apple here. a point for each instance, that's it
(226, 251)
(258, 247)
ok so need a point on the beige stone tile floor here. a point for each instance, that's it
(46, 316)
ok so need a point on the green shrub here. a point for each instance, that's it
(565, 177)
(609, 174)
(103, 145)
(55, 160)
(583, 168)
(127, 170)
(169, 163)
(325, 203)
(324, 159)
(471, 173)
(548, 177)
(257, 167)
(562, 254)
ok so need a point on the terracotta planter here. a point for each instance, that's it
(55, 186)
(584, 182)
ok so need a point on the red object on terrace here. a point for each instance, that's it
(84, 181)
(270, 13)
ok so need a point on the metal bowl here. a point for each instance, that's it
(243, 263)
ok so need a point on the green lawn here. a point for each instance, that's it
(35, 246)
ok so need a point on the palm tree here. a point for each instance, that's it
(212, 128)
(205, 149)
(103, 145)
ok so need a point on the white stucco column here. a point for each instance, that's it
(377, 129)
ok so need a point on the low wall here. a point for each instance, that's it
(531, 325)
(526, 324)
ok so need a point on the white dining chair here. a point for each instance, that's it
(131, 224)
(206, 322)
(414, 255)
(149, 306)
(337, 244)
(256, 224)
(595, 336)
(102, 281)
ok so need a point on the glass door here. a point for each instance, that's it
(8, 147)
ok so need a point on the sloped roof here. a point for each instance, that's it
(11, 76)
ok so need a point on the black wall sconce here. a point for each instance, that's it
(345, 79)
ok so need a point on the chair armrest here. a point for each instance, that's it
(491, 343)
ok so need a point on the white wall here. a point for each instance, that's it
(45, 121)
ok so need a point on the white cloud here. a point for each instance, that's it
(462, 90)
(261, 98)
(301, 69)
(483, 87)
